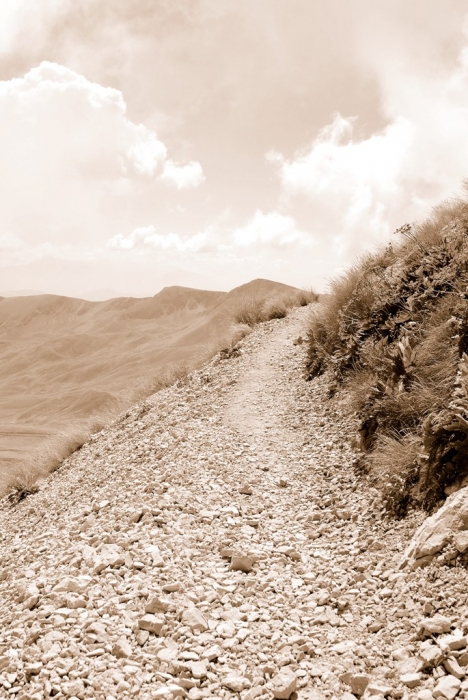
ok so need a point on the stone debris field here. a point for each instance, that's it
(215, 542)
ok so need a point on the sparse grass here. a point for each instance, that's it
(26, 478)
(393, 331)
(250, 312)
(261, 309)
(275, 308)
(305, 297)
(394, 465)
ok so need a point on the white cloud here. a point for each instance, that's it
(261, 234)
(26, 19)
(71, 156)
(146, 238)
(182, 176)
(271, 229)
(357, 191)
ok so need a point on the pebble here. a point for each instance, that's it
(411, 680)
(241, 563)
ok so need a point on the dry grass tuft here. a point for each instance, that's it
(250, 312)
(260, 309)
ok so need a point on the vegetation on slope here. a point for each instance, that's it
(394, 332)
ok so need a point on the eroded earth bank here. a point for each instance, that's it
(215, 542)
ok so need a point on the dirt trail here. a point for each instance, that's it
(118, 579)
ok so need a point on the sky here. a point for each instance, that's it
(206, 143)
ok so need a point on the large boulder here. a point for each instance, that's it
(446, 530)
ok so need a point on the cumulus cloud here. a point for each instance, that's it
(271, 229)
(359, 190)
(26, 19)
(70, 156)
(182, 176)
(262, 233)
(147, 238)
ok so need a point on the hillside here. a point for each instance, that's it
(216, 542)
(67, 365)
(392, 339)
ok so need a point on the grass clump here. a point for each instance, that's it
(261, 309)
(394, 331)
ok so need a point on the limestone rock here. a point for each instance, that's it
(447, 687)
(122, 649)
(284, 684)
(156, 604)
(435, 625)
(151, 623)
(235, 683)
(439, 530)
(241, 562)
(358, 683)
(451, 666)
(431, 656)
(194, 618)
(411, 680)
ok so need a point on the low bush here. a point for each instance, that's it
(260, 309)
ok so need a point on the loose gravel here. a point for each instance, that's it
(215, 542)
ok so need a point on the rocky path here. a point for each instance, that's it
(215, 543)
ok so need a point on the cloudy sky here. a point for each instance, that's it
(209, 142)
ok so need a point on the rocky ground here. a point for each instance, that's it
(215, 542)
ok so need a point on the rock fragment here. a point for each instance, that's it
(435, 625)
(241, 562)
(284, 684)
(451, 666)
(194, 618)
(411, 680)
(122, 649)
(151, 623)
(358, 683)
(235, 683)
(447, 687)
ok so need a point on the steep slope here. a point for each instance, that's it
(394, 335)
(123, 576)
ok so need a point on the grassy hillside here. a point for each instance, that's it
(393, 333)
